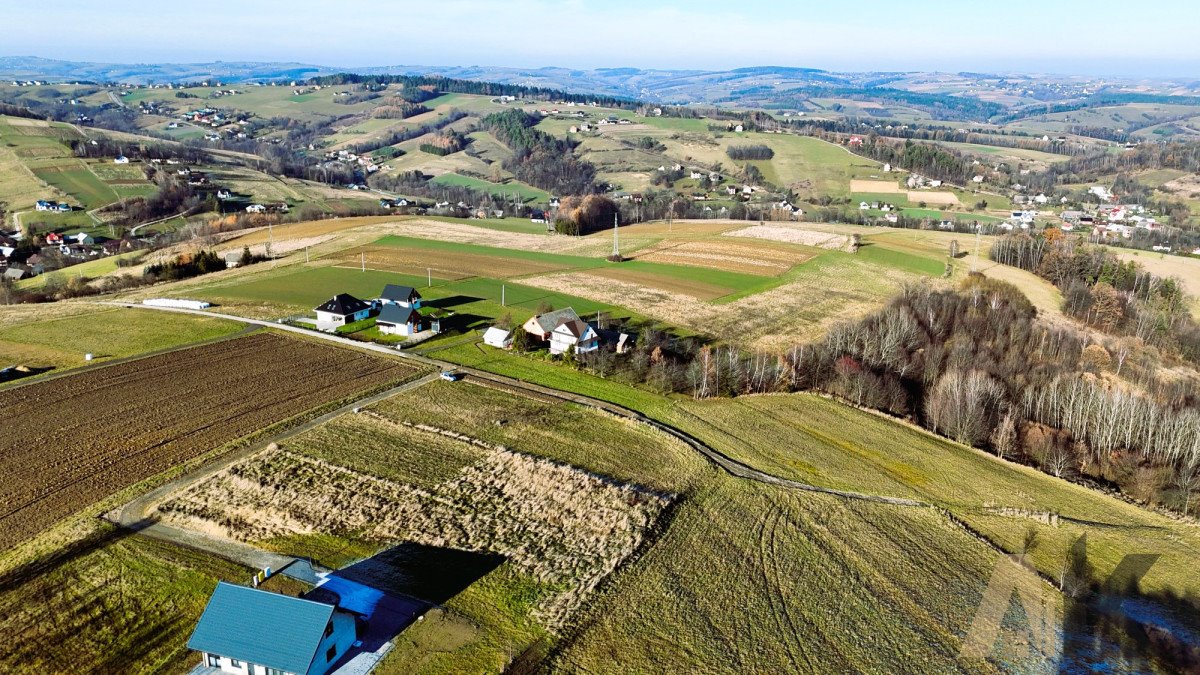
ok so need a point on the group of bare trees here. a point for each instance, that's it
(1111, 417)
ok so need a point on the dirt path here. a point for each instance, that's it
(732, 466)
(137, 515)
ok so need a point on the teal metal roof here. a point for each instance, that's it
(261, 627)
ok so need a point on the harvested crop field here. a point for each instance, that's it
(692, 288)
(747, 258)
(445, 264)
(885, 186)
(792, 235)
(72, 441)
(939, 198)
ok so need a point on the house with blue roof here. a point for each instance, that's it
(247, 631)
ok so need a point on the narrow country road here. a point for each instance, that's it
(137, 515)
(730, 465)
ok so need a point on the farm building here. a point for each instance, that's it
(254, 632)
(498, 337)
(542, 325)
(397, 319)
(340, 310)
(404, 296)
(574, 334)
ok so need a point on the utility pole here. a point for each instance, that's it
(428, 277)
(502, 296)
(363, 260)
(616, 254)
(305, 254)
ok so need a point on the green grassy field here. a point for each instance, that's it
(89, 270)
(525, 192)
(833, 445)
(779, 557)
(297, 290)
(108, 603)
(901, 260)
(43, 340)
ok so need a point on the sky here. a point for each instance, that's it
(1155, 38)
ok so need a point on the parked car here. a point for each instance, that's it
(450, 376)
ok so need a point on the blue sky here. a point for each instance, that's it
(1152, 37)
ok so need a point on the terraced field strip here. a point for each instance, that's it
(696, 282)
(745, 257)
(69, 443)
(449, 265)
(78, 181)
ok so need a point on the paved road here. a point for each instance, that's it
(732, 466)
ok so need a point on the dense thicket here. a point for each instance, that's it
(926, 159)
(749, 151)
(186, 266)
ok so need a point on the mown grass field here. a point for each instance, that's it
(832, 445)
(744, 577)
(59, 340)
(89, 270)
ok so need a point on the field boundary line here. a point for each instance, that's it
(730, 465)
(136, 514)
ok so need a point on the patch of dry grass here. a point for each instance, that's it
(748, 258)
(793, 234)
(564, 527)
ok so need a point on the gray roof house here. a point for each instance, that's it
(543, 325)
(247, 630)
(401, 295)
(398, 320)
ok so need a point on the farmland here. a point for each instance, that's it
(140, 423)
(386, 478)
(833, 445)
(33, 336)
(918, 579)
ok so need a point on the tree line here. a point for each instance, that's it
(1105, 292)
(457, 86)
(539, 159)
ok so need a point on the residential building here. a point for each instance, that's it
(573, 334)
(248, 631)
(542, 325)
(396, 319)
(340, 310)
(404, 296)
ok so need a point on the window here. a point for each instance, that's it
(214, 661)
(235, 663)
(329, 655)
(329, 629)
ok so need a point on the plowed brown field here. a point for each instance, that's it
(69, 442)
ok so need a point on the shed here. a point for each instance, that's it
(243, 627)
(498, 337)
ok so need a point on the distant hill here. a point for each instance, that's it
(896, 95)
